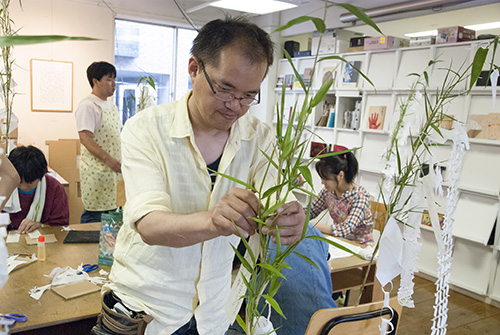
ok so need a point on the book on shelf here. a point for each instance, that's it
(306, 77)
(426, 220)
(484, 126)
(328, 109)
(376, 116)
(477, 125)
(318, 148)
(331, 120)
(493, 130)
(350, 75)
(446, 122)
(289, 78)
(280, 81)
(328, 73)
(296, 82)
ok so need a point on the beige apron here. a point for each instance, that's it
(98, 182)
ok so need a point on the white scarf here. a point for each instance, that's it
(36, 209)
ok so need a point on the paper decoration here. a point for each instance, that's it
(390, 253)
(460, 144)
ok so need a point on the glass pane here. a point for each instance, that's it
(185, 41)
(142, 50)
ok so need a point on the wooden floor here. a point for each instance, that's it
(466, 316)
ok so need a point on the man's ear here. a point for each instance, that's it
(193, 67)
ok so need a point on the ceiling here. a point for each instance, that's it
(457, 12)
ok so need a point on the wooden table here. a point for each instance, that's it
(349, 272)
(51, 309)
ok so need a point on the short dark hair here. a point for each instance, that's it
(29, 162)
(98, 70)
(253, 42)
(330, 166)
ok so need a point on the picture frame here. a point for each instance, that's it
(51, 85)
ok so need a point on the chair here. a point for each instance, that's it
(362, 319)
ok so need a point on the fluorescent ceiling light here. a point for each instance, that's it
(254, 6)
(484, 26)
(423, 33)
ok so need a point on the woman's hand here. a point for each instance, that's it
(27, 226)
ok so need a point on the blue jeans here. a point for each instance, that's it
(93, 216)
(306, 288)
(188, 329)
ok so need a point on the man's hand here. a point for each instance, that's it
(113, 164)
(27, 226)
(291, 218)
(238, 206)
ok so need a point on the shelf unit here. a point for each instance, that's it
(476, 263)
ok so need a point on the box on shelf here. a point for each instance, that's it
(384, 42)
(357, 44)
(422, 40)
(455, 34)
(303, 53)
(333, 41)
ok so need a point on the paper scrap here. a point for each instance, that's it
(66, 275)
(13, 237)
(34, 234)
(15, 261)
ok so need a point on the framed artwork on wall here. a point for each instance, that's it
(51, 86)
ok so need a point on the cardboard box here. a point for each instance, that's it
(333, 41)
(63, 158)
(358, 41)
(455, 34)
(423, 40)
(384, 42)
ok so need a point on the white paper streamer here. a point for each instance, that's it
(494, 79)
(411, 248)
(460, 144)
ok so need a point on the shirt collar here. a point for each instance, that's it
(182, 127)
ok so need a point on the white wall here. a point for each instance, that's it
(57, 17)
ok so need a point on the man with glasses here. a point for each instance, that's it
(173, 255)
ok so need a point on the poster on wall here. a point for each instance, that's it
(51, 86)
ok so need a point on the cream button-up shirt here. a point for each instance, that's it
(164, 170)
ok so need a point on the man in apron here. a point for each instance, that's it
(98, 126)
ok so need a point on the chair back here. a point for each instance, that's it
(362, 319)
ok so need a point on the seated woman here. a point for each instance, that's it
(39, 197)
(347, 203)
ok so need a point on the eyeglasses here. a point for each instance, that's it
(226, 96)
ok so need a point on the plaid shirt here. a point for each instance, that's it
(351, 214)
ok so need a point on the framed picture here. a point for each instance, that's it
(51, 86)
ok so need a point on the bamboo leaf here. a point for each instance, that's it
(241, 323)
(35, 39)
(306, 173)
(477, 65)
(242, 259)
(360, 14)
(274, 304)
(272, 190)
(318, 97)
(318, 23)
(247, 186)
(271, 269)
(307, 259)
(335, 244)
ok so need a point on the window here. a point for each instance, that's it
(155, 51)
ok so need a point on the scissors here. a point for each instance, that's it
(11, 318)
(89, 267)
